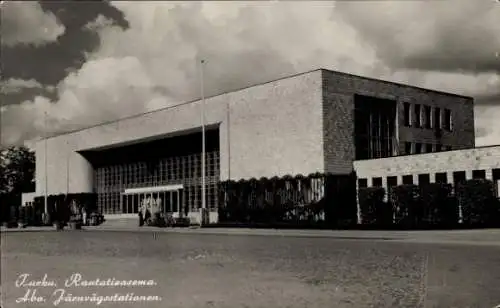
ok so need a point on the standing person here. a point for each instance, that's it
(84, 216)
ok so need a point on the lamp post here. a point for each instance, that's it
(67, 168)
(45, 158)
(203, 184)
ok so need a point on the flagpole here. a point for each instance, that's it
(203, 160)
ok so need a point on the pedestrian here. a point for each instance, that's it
(84, 216)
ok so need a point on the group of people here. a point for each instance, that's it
(149, 207)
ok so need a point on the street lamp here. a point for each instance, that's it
(203, 188)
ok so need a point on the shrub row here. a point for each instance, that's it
(289, 200)
(431, 205)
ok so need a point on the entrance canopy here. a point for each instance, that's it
(152, 189)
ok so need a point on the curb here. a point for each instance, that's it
(460, 237)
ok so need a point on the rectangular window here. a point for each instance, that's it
(478, 174)
(447, 120)
(418, 148)
(428, 148)
(428, 116)
(437, 118)
(407, 179)
(448, 148)
(438, 147)
(392, 181)
(424, 179)
(377, 182)
(408, 148)
(441, 178)
(459, 177)
(418, 115)
(362, 183)
(407, 114)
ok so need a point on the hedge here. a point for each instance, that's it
(479, 203)
(290, 199)
(374, 210)
(407, 205)
(440, 208)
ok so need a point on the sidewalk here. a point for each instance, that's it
(475, 237)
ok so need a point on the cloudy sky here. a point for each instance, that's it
(85, 63)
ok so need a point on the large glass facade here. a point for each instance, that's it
(112, 180)
(154, 164)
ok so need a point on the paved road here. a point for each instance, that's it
(196, 270)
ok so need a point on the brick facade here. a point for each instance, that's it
(338, 116)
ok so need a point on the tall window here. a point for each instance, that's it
(408, 148)
(437, 118)
(407, 114)
(418, 115)
(428, 148)
(447, 119)
(418, 148)
(427, 116)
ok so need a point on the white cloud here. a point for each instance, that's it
(14, 85)
(153, 63)
(25, 22)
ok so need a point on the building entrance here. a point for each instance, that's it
(167, 199)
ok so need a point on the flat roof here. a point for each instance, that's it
(251, 86)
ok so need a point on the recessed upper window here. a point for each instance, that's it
(408, 148)
(407, 114)
(418, 148)
(447, 119)
(437, 118)
(428, 116)
(428, 148)
(418, 115)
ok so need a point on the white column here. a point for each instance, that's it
(432, 177)
(384, 185)
(449, 177)
(468, 174)
(489, 174)
(358, 207)
(415, 179)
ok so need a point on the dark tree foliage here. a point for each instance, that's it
(17, 170)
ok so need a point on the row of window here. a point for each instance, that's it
(440, 177)
(166, 170)
(424, 116)
(420, 148)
